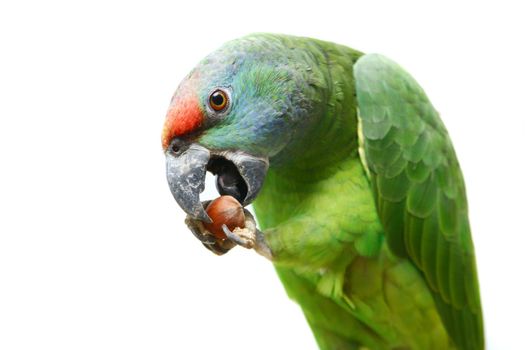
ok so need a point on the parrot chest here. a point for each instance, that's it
(338, 206)
(345, 278)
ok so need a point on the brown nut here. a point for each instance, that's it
(224, 210)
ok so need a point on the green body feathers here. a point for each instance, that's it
(375, 246)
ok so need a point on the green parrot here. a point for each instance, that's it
(359, 198)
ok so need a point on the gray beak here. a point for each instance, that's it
(238, 174)
(186, 172)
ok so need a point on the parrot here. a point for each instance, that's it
(358, 197)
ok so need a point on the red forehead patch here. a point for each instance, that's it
(184, 116)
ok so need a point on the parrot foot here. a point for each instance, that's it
(249, 237)
(217, 246)
(241, 236)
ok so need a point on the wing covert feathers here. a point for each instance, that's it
(419, 191)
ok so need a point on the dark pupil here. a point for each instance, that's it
(217, 99)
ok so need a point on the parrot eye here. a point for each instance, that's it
(218, 100)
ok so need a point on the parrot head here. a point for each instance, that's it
(235, 113)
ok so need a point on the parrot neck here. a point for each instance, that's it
(328, 134)
(316, 156)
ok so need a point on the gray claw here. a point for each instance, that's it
(197, 229)
(217, 246)
(246, 243)
(249, 236)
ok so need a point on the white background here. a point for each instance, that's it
(93, 251)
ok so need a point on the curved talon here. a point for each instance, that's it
(217, 246)
(197, 229)
(232, 236)
(242, 236)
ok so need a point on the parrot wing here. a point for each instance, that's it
(419, 191)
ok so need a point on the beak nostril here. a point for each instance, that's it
(177, 146)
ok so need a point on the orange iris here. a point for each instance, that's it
(218, 100)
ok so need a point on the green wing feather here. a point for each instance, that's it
(419, 191)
